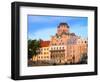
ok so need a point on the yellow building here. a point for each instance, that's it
(44, 54)
(64, 47)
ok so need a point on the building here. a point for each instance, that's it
(57, 54)
(74, 46)
(63, 48)
(44, 54)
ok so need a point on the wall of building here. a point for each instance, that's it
(43, 55)
(64, 47)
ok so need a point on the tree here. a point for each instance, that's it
(33, 48)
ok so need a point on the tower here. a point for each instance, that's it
(62, 28)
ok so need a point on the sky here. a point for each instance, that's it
(43, 27)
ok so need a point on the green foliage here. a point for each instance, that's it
(33, 48)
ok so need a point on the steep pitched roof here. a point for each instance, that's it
(44, 43)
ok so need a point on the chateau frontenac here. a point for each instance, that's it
(62, 48)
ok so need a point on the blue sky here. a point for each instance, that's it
(43, 27)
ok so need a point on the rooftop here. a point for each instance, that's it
(63, 23)
(44, 43)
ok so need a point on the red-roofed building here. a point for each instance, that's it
(44, 54)
(44, 43)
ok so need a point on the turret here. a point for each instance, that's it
(62, 27)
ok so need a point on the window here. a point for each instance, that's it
(53, 48)
(47, 48)
(61, 40)
(57, 48)
(62, 43)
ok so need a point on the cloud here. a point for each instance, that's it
(44, 34)
(48, 19)
(45, 26)
(80, 31)
(37, 19)
(47, 32)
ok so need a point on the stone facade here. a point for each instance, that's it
(64, 47)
